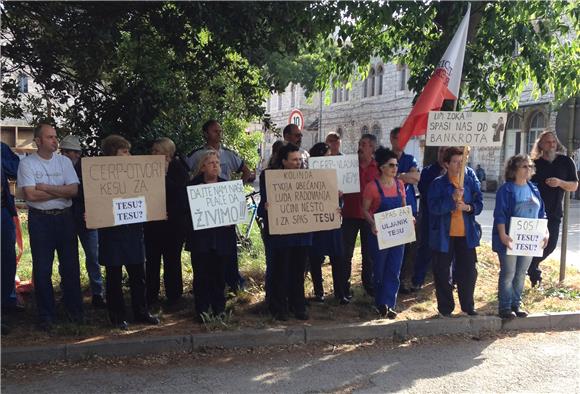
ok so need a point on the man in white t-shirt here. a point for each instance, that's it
(48, 182)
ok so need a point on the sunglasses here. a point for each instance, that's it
(392, 165)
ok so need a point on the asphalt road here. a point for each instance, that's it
(526, 362)
(573, 249)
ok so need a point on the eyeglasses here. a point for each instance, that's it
(392, 165)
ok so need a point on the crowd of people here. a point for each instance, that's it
(445, 224)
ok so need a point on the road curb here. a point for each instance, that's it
(247, 338)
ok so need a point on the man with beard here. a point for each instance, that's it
(555, 174)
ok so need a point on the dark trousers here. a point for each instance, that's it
(114, 290)
(8, 259)
(350, 229)
(465, 275)
(234, 279)
(169, 247)
(338, 274)
(47, 234)
(423, 253)
(534, 270)
(287, 275)
(209, 282)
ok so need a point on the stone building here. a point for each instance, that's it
(381, 102)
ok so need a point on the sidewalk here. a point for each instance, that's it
(249, 338)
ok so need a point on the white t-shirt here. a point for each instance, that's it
(57, 171)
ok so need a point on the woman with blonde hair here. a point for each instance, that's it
(211, 249)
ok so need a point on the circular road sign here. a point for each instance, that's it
(296, 118)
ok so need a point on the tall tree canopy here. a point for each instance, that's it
(146, 69)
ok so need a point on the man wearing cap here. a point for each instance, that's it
(49, 182)
(70, 147)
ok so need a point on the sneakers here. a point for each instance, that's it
(391, 314)
(147, 318)
(472, 312)
(507, 314)
(382, 310)
(519, 312)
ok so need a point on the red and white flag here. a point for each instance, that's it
(443, 85)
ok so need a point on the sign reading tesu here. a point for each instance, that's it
(447, 128)
(395, 227)
(217, 204)
(302, 201)
(527, 236)
(123, 189)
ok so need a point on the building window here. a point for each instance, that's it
(23, 83)
(334, 95)
(402, 69)
(268, 105)
(380, 73)
(339, 131)
(512, 137)
(365, 88)
(372, 82)
(279, 101)
(346, 94)
(339, 92)
(537, 125)
(292, 96)
(364, 130)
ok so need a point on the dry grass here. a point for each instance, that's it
(248, 309)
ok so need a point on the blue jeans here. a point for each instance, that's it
(47, 234)
(512, 276)
(8, 259)
(90, 242)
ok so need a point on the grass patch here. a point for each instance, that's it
(248, 309)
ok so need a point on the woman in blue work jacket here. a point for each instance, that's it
(454, 234)
(385, 193)
(517, 197)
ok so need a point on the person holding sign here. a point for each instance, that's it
(288, 252)
(383, 194)
(517, 197)
(120, 246)
(453, 233)
(555, 175)
(327, 243)
(211, 249)
(165, 237)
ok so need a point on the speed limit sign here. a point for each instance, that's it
(296, 118)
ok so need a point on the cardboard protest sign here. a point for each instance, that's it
(217, 204)
(346, 167)
(123, 189)
(395, 227)
(302, 201)
(447, 128)
(528, 236)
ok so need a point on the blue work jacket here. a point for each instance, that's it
(441, 203)
(505, 202)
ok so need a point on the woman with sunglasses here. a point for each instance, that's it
(385, 193)
(517, 197)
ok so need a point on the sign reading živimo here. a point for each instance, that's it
(302, 201)
(395, 227)
(123, 190)
(446, 128)
(217, 204)
(346, 167)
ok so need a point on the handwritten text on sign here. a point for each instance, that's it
(217, 204)
(108, 179)
(395, 227)
(446, 128)
(302, 201)
(528, 236)
(129, 210)
(346, 167)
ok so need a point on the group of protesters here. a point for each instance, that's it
(445, 224)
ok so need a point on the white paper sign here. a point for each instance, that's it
(395, 227)
(528, 236)
(217, 204)
(448, 128)
(346, 166)
(129, 210)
